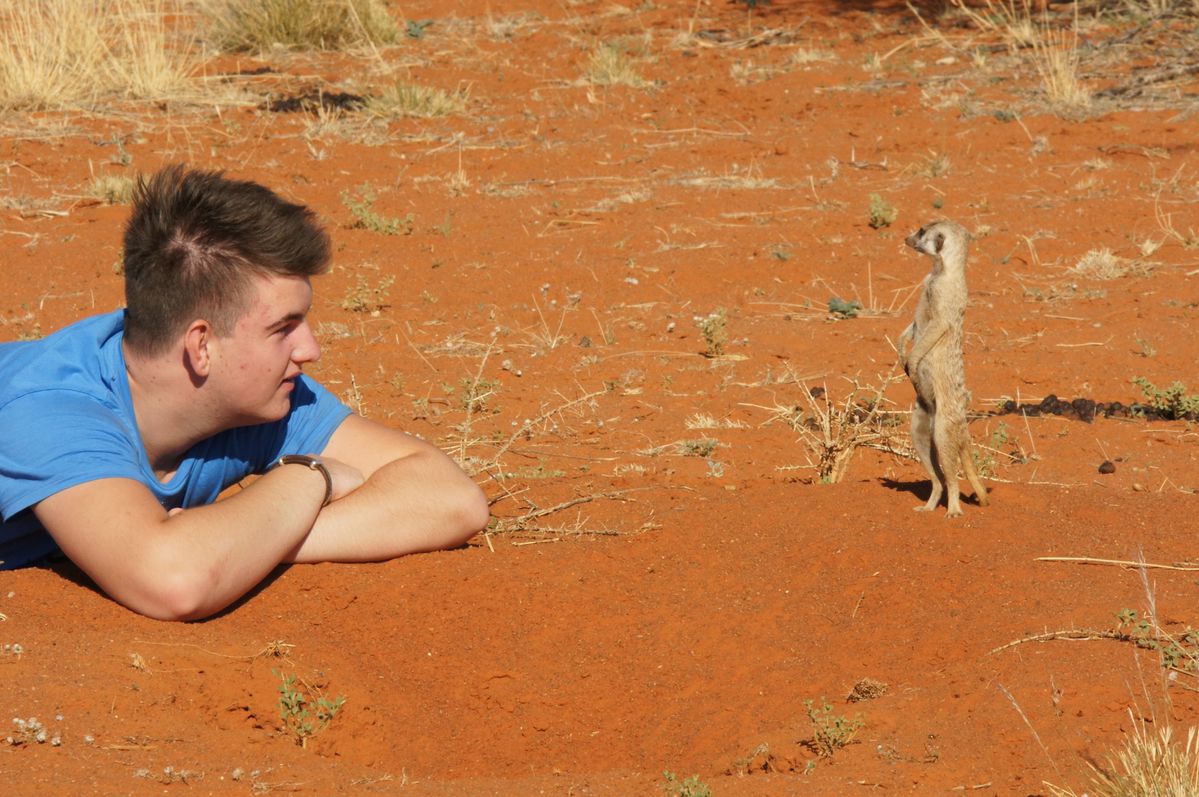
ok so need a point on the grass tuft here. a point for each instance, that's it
(259, 25)
(1150, 764)
(611, 65)
(65, 53)
(402, 99)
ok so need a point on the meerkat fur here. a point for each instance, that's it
(934, 364)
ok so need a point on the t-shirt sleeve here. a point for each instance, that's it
(54, 439)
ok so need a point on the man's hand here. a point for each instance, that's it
(346, 478)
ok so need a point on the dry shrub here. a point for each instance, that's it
(259, 25)
(1150, 765)
(60, 53)
(1103, 264)
(833, 432)
(1055, 53)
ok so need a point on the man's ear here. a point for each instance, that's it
(197, 353)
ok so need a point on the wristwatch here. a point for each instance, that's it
(310, 462)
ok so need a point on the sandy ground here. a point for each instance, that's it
(666, 586)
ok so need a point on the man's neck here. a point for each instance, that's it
(167, 407)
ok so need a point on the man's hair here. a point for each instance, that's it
(194, 244)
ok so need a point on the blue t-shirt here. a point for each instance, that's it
(66, 417)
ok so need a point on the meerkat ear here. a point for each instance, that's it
(939, 242)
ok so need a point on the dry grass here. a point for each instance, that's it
(833, 432)
(259, 25)
(1103, 264)
(402, 99)
(64, 53)
(1152, 764)
(611, 65)
(1055, 52)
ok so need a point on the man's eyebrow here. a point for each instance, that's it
(288, 319)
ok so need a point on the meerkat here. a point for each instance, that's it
(934, 364)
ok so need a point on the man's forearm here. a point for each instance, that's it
(421, 502)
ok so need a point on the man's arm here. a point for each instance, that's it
(191, 564)
(414, 498)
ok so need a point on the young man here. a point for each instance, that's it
(118, 433)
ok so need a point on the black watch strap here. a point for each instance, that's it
(310, 462)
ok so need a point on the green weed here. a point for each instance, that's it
(361, 207)
(690, 787)
(304, 714)
(882, 213)
(1172, 402)
(830, 731)
(363, 298)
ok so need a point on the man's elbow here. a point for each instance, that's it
(469, 514)
(174, 594)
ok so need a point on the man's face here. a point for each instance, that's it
(254, 369)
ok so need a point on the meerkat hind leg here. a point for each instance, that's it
(922, 440)
(949, 458)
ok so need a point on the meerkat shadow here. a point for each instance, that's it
(920, 488)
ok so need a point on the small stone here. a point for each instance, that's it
(1107, 467)
(1138, 487)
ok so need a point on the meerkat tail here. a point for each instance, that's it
(980, 492)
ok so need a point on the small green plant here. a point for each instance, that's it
(363, 298)
(476, 392)
(844, 309)
(1181, 653)
(830, 731)
(882, 213)
(714, 328)
(361, 207)
(1172, 402)
(304, 714)
(690, 787)
(698, 447)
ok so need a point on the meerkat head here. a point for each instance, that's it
(941, 239)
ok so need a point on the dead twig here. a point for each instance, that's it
(1087, 560)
